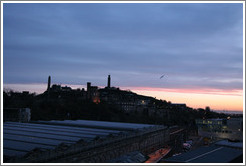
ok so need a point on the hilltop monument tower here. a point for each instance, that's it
(109, 79)
(48, 87)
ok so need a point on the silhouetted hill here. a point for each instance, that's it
(107, 104)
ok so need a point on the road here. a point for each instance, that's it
(158, 155)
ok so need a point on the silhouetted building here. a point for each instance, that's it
(66, 88)
(92, 93)
(55, 88)
(125, 100)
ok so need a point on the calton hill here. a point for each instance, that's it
(104, 104)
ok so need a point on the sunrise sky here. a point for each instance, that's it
(198, 47)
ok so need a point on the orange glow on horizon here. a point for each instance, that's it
(235, 92)
(216, 99)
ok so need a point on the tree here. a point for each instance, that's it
(207, 109)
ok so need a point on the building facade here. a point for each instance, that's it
(17, 114)
(230, 128)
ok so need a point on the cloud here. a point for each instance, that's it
(196, 45)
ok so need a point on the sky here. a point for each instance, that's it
(198, 47)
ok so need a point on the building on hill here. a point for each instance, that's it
(125, 101)
(92, 93)
(55, 87)
(66, 88)
(181, 105)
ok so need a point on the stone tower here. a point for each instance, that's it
(109, 81)
(48, 87)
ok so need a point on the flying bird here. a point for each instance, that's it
(162, 76)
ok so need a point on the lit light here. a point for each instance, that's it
(96, 100)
